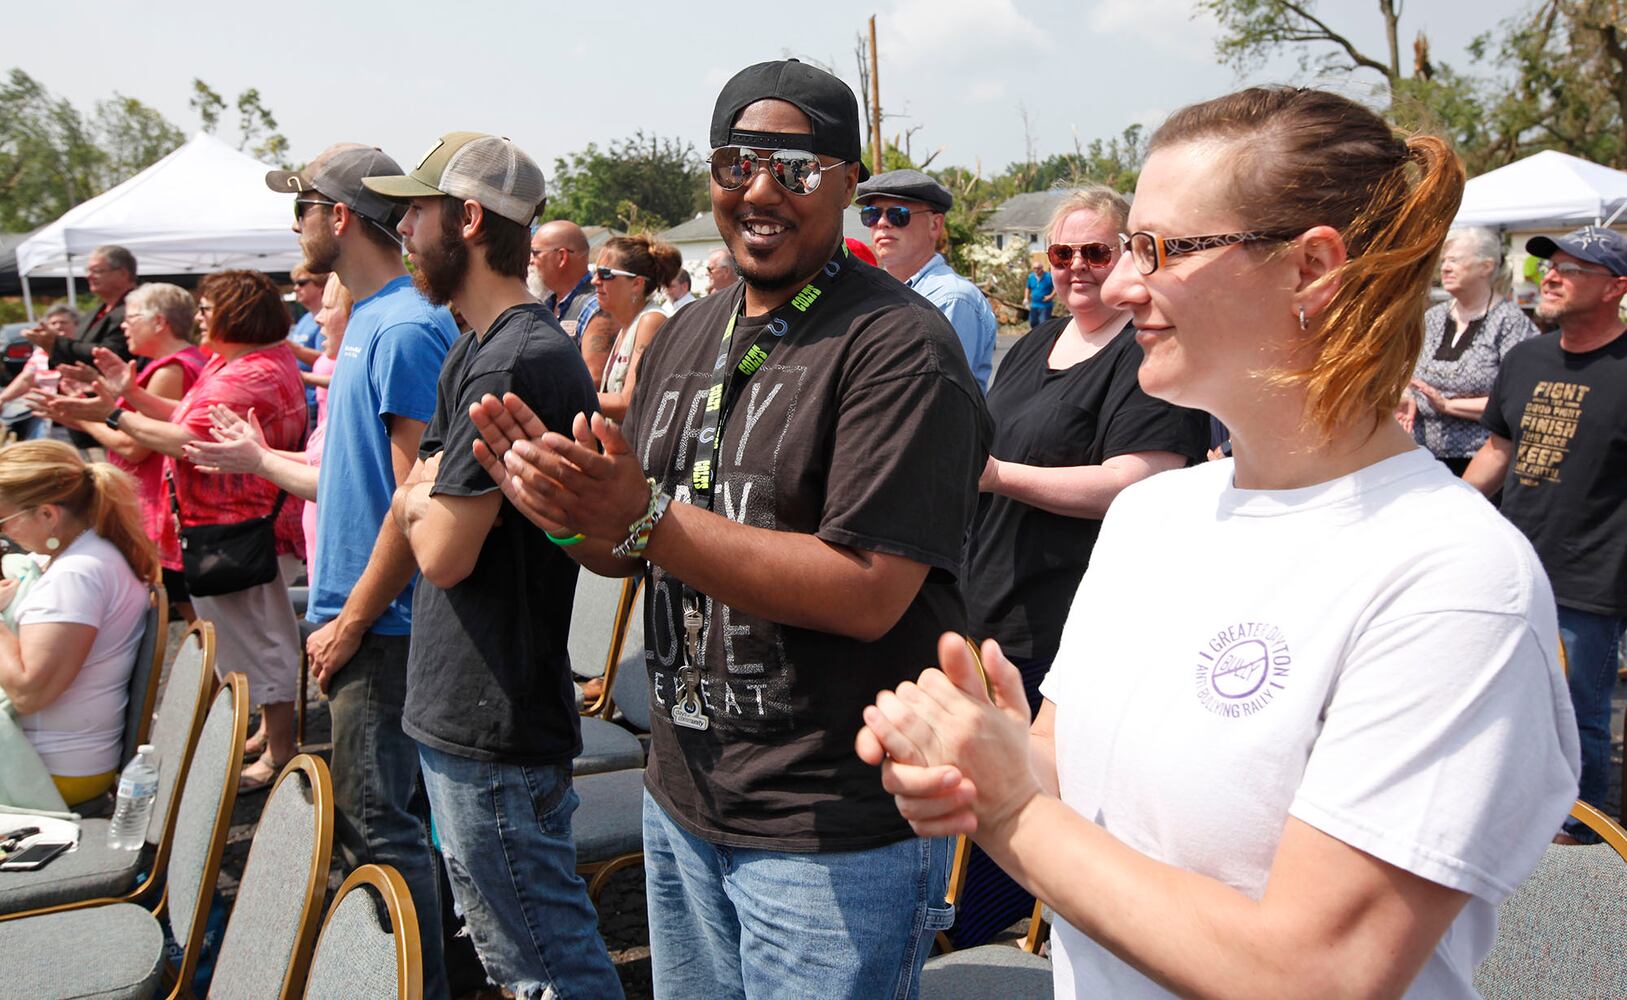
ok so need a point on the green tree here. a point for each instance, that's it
(49, 161)
(132, 136)
(1252, 31)
(1565, 62)
(643, 182)
(256, 126)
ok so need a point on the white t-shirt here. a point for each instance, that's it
(1375, 656)
(88, 583)
(621, 355)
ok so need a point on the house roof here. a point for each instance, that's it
(1024, 213)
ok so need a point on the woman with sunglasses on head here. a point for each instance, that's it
(630, 270)
(69, 640)
(1306, 727)
(1072, 429)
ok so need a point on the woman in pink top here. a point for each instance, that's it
(245, 325)
(158, 327)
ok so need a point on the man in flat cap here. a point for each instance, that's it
(360, 605)
(799, 470)
(904, 210)
(1558, 421)
(489, 694)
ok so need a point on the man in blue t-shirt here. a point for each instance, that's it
(381, 398)
(1041, 295)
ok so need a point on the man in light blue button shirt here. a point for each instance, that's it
(904, 210)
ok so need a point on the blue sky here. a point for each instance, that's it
(555, 76)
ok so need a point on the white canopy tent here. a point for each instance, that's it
(1548, 190)
(202, 208)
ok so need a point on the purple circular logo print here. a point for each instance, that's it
(1242, 668)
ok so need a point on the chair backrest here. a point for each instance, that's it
(138, 712)
(629, 682)
(595, 622)
(369, 945)
(1560, 933)
(204, 816)
(279, 900)
(181, 712)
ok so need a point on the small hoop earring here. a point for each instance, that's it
(1302, 318)
(53, 543)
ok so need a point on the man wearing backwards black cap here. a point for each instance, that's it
(489, 694)
(904, 210)
(800, 536)
(1558, 421)
(379, 402)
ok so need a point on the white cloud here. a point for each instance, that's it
(988, 90)
(920, 33)
(1171, 27)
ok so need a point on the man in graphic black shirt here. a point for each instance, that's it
(489, 695)
(813, 442)
(1558, 449)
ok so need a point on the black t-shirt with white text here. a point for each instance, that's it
(488, 672)
(1025, 563)
(866, 429)
(1566, 488)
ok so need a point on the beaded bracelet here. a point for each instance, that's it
(638, 534)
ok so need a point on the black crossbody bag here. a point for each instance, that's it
(225, 558)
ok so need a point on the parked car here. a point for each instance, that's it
(14, 350)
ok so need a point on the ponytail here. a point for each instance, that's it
(115, 514)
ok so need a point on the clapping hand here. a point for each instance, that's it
(117, 373)
(955, 760)
(75, 410)
(238, 445)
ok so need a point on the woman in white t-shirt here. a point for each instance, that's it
(66, 667)
(631, 269)
(1306, 726)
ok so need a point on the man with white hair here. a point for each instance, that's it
(721, 270)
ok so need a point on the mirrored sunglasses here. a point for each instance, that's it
(897, 215)
(1095, 255)
(797, 171)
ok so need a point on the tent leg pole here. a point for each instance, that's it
(73, 300)
(28, 300)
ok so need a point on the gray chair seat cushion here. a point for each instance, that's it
(992, 970)
(356, 954)
(93, 871)
(610, 820)
(606, 747)
(101, 951)
(1560, 933)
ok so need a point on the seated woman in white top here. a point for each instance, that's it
(631, 269)
(66, 668)
(1306, 726)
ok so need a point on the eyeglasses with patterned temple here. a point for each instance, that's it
(607, 273)
(1149, 252)
(1097, 256)
(796, 170)
(1568, 271)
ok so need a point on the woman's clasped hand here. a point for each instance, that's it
(955, 761)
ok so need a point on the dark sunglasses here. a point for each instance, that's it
(796, 170)
(897, 215)
(301, 204)
(1098, 256)
(302, 282)
(606, 273)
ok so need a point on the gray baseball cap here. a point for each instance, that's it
(485, 168)
(337, 174)
(1594, 244)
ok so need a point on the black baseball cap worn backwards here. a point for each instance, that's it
(832, 110)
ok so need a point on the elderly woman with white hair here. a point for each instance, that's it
(1465, 339)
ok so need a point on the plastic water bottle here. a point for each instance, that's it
(138, 790)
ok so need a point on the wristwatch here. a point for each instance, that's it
(113, 419)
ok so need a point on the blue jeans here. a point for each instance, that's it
(736, 923)
(505, 832)
(381, 813)
(1590, 647)
(1039, 312)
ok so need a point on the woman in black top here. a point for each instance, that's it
(1072, 429)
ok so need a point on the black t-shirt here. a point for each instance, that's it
(1025, 563)
(1567, 486)
(488, 674)
(866, 429)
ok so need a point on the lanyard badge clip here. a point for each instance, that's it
(687, 710)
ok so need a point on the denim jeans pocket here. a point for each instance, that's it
(553, 797)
